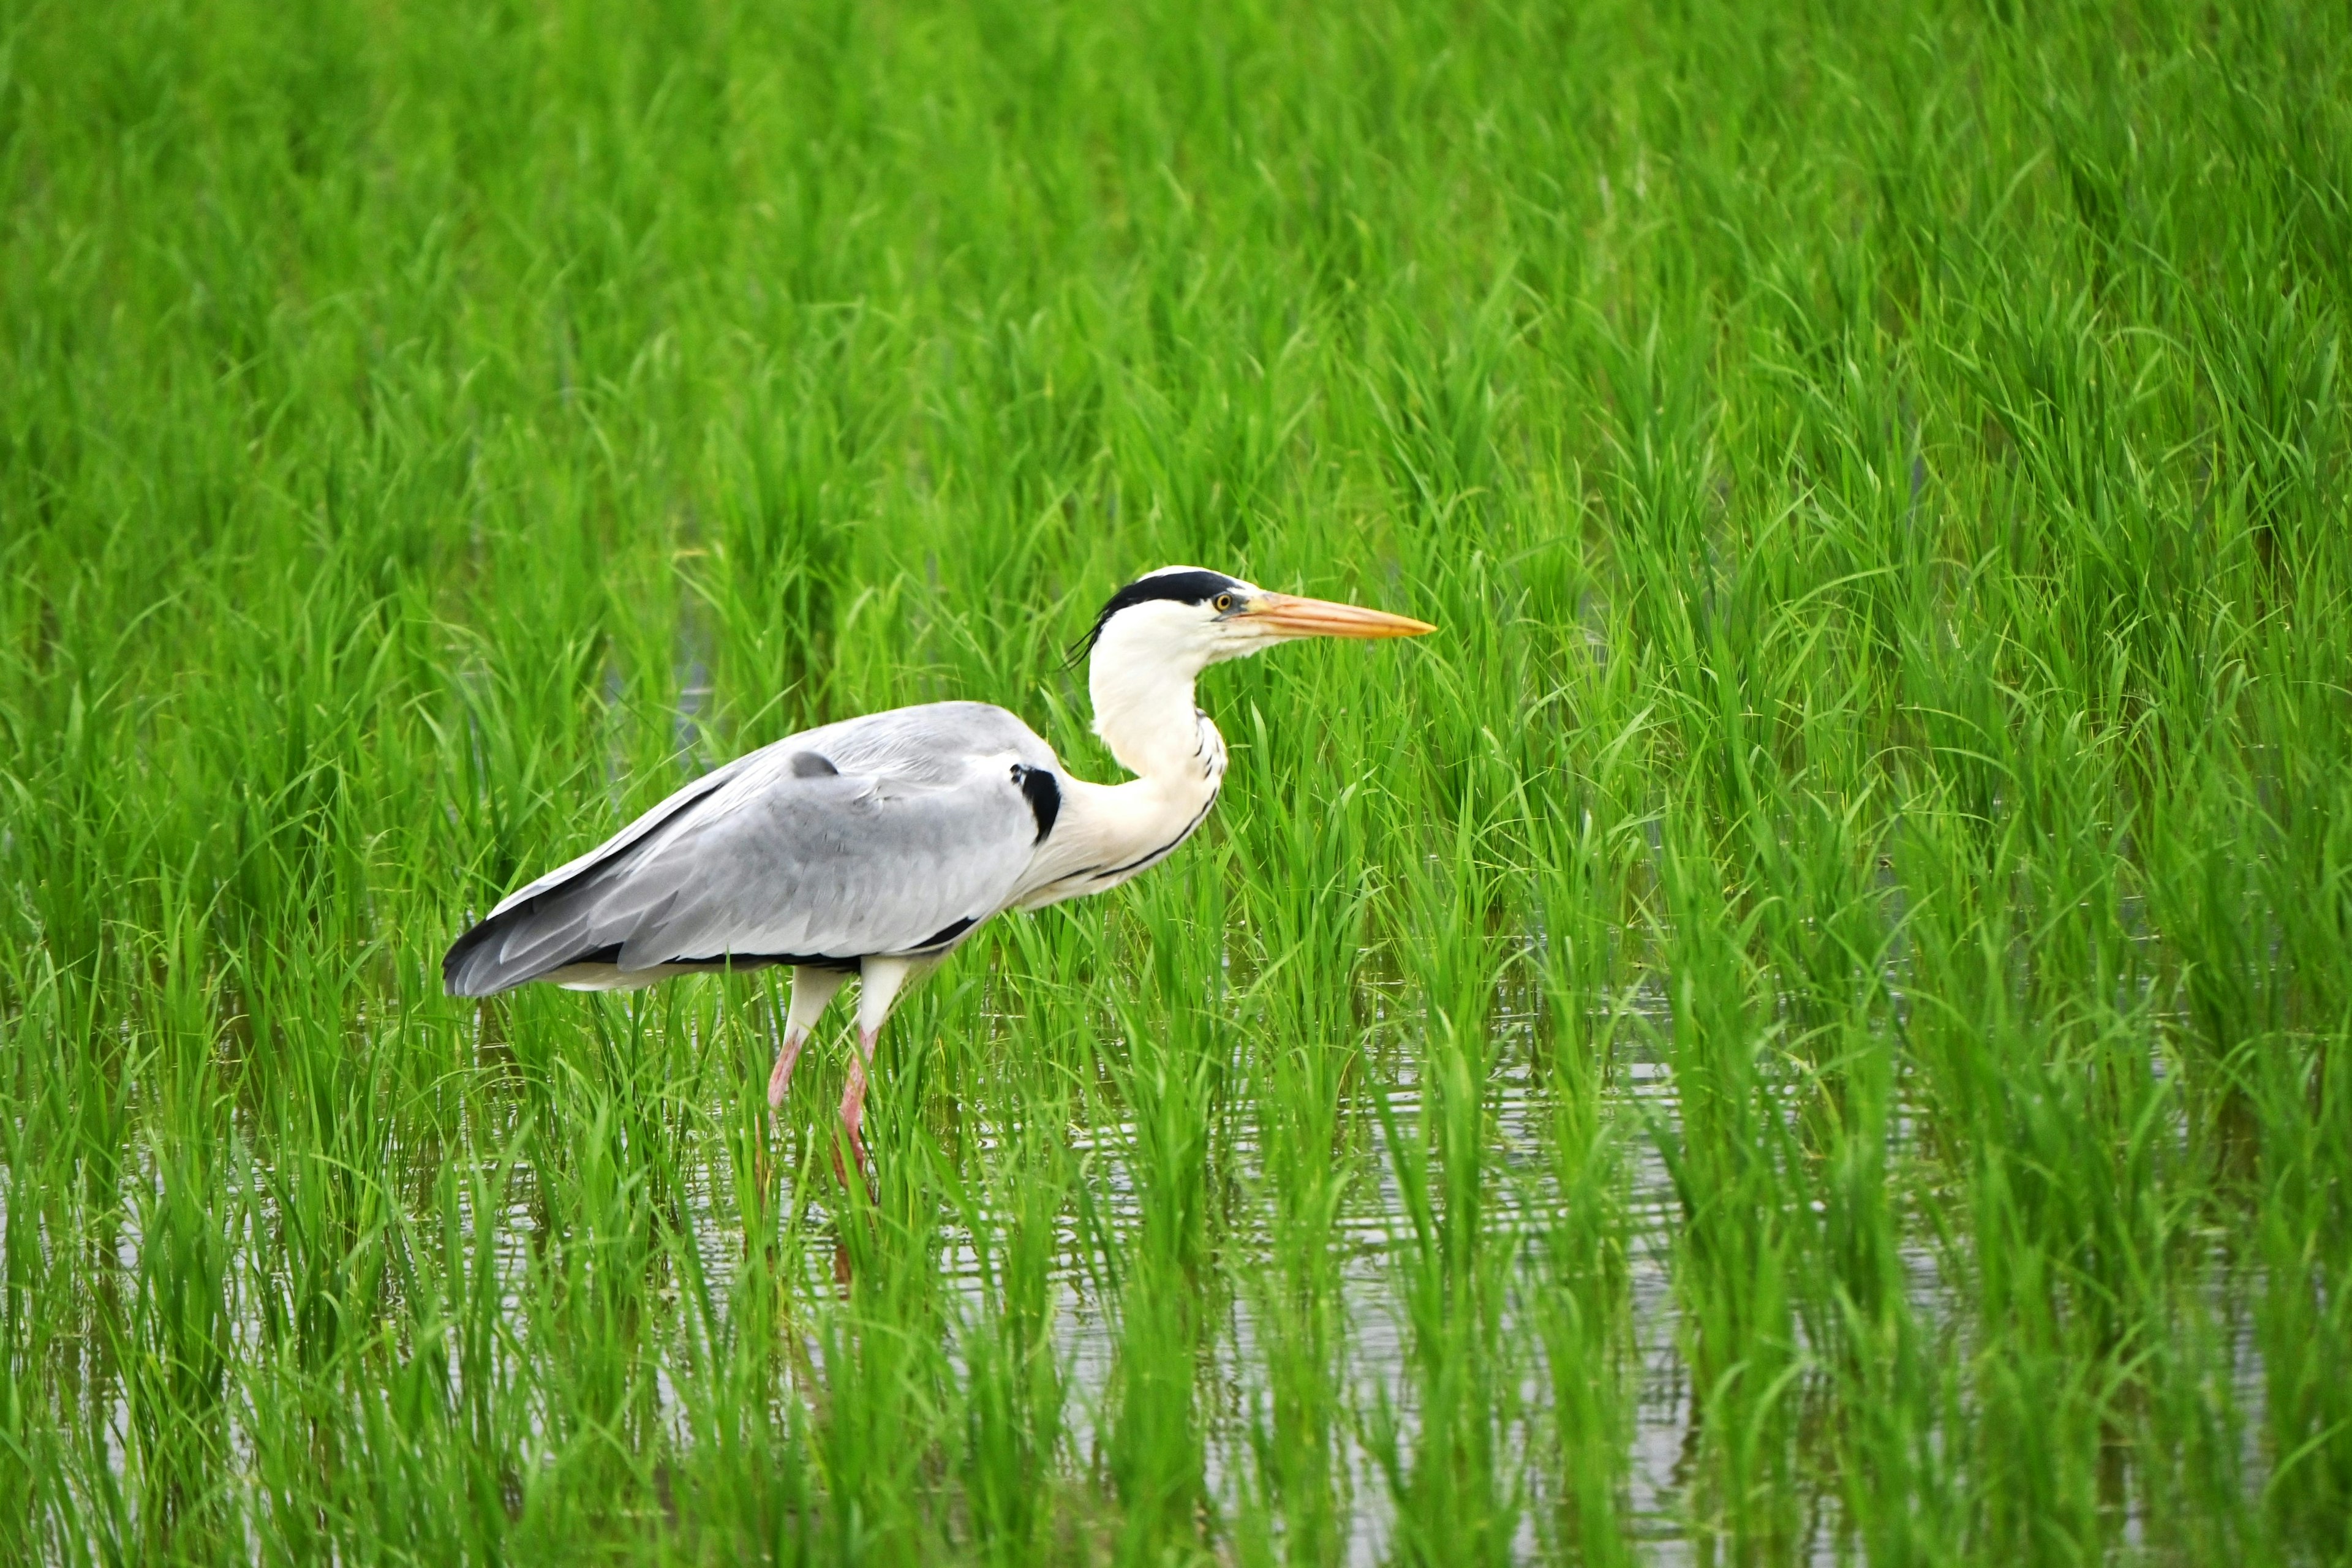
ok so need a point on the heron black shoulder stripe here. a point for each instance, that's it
(1044, 793)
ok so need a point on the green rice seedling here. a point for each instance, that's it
(1856, 1297)
(882, 1350)
(1457, 1491)
(173, 1353)
(1727, 1159)
(1169, 1076)
(1846, 926)
(1016, 1380)
(1579, 1303)
(1304, 895)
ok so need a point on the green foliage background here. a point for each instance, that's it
(1838, 960)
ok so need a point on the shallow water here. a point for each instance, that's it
(1520, 1202)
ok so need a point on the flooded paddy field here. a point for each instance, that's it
(1805, 1025)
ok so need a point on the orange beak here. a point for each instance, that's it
(1298, 617)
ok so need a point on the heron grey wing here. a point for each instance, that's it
(957, 797)
(842, 868)
(653, 818)
(928, 743)
(669, 870)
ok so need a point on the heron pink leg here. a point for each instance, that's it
(877, 986)
(781, 1080)
(852, 1097)
(812, 990)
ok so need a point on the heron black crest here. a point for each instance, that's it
(1189, 586)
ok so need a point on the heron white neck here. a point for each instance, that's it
(1144, 711)
(1142, 690)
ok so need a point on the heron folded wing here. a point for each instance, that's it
(845, 865)
(917, 824)
(635, 832)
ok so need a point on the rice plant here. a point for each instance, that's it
(1808, 1024)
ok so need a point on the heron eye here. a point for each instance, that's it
(1224, 603)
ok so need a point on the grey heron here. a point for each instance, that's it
(877, 846)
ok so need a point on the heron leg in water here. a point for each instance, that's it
(877, 986)
(812, 989)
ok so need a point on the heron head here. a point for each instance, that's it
(1188, 618)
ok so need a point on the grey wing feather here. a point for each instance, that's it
(670, 806)
(873, 835)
